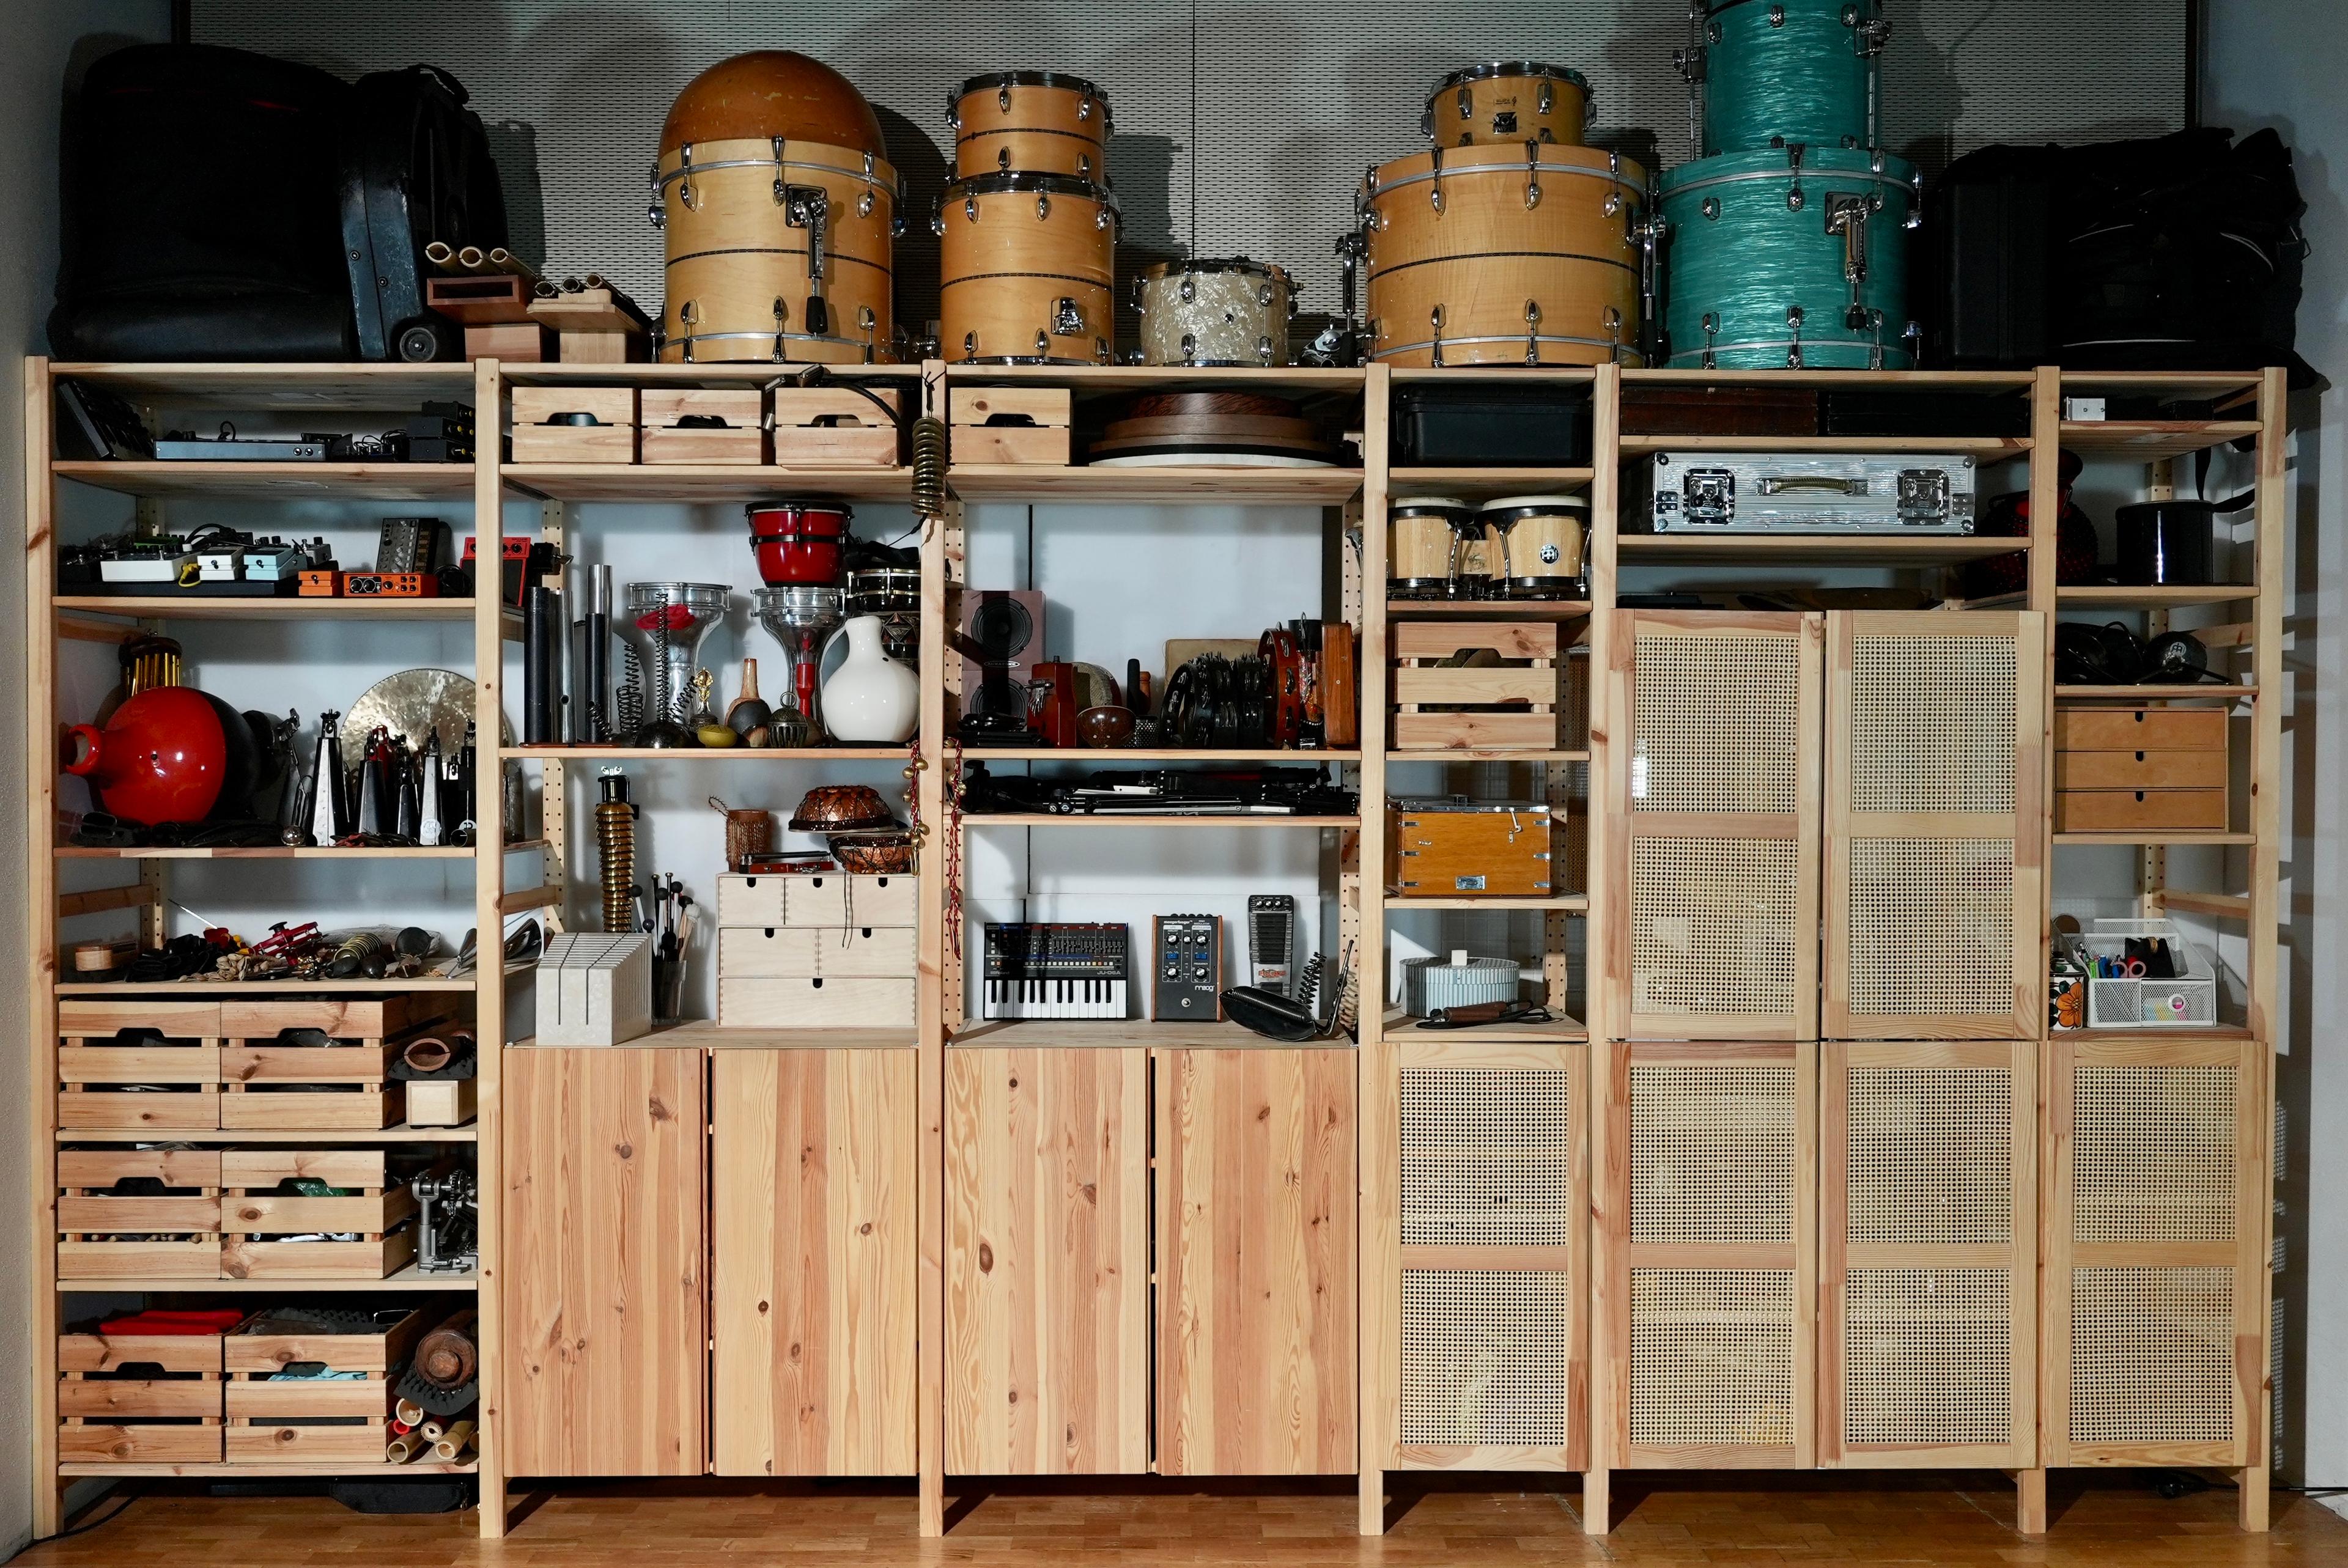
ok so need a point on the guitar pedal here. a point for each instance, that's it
(1271, 941)
(1189, 973)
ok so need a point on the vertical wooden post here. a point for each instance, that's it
(1603, 981)
(41, 721)
(489, 888)
(1380, 1282)
(931, 1037)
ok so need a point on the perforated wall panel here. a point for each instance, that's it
(1930, 1160)
(1713, 926)
(1486, 1157)
(1712, 1155)
(1928, 1356)
(2153, 1152)
(1715, 726)
(1712, 1356)
(1238, 129)
(2152, 1355)
(1487, 1357)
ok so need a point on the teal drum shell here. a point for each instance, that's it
(1786, 71)
(1745, 242)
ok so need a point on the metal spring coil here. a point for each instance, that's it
(615, 836)
(929, 465)
(628, 702)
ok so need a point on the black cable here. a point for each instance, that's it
(128, 1499)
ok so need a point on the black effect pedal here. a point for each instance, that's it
(1187, 959)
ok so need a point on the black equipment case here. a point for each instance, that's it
(414, 168)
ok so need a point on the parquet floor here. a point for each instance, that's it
(1668, 1523)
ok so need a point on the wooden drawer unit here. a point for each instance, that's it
(255, 1214)
(1439, 707)
(804, 952)
(1927, 1228)
(830, 900)
(138, 1399)
(138, 1066)
(1711, 1241)
(277, 1414)
(107, 1234)
(816, 1003)
(2127, 770)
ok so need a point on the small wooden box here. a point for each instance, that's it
(1508, 705)
(829, 900)
(1461, 849)
(590, 328)
(515, 343)
(2130, 810)
(835, 427)
(815, 1003)
(91, 1216)
(107, 1046)
(480, 299)
(108, 1418)
(312, 1420)
(354, 1019)
(803, 952)
(1011, 424)
(442, 1102)
(742, 440)
(612, 440)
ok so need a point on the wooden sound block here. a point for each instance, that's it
(845, 446)
(441, 1102)
(518, 342)
(592, 329)
(1047, 406)
(480, 298)
(982, 444)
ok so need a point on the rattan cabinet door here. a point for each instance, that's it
(2155, 1296)
(1710, 1226)
(1927, 1220)
(1714, 774)
(1936, 827)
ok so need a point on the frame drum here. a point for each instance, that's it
(778, 250)
(1214, 312)
(1509, 101)
(1505, 255)
(1038, 122)
(1429, 542)
(1541, 541)
(1025, 265)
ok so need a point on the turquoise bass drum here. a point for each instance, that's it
(1787, 259)
(1778, 71)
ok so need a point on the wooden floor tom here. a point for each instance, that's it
(1541, 543)
(1505, 255)
(1509, 101)
(1222, 312)
(1027, 263)
(1036, 121)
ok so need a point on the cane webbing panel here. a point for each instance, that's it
(1712, 1356)
(1929, 1156)
(1487, 1357)
(1712, 926)
(1931, 723)
(1487, 1156)
(2152, 1151)
(1928, 1356)
(2152, 1355)
(1712, 1155)
(1715, 723)
(1931, 925)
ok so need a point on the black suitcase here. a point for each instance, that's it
(1988, 259)
(199, 204)
(416, 168)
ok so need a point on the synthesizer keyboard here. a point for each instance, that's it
(1058, 970)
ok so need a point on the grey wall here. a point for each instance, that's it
(48, 41)
(2280, 63)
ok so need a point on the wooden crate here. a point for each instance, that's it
(995, 425)
(532, 440)
(253, 1213)
(279, 1078)
(1514, 705)
(109, 1046)
(104, 1236)
(1709, 1225)
(834, 426)
(1493, 1204)
(1714, 825)
(2153, 1316)
(832, 900)
(305, 1421)
(138, 1399)
(1927, 1226)
(1935, 867)
(816, 1003)
(743, 439)
(801, 952)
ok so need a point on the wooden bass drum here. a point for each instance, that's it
(1035, 122)
(1025, 264)
(1509, 101)
(780, 217)
(1505, 255)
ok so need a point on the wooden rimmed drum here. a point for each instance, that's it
(1430, 545)
(1538, 543)
(1038, 122)
(1233, 312)
(1505, 255)
(780, 215)
(1025, 264)
(1509, 101)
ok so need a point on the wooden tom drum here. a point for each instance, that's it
(1026, 262)
(1509, 101)
(1541, 543)
(1038, 122)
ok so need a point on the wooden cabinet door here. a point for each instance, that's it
(1255, 1235)
(1048, 1261)
(812, 1296)
(604, 1293)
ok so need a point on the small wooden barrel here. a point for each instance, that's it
(1506, 101)
(1027, 263)
(1481, 255)
(1428, 544)
(1035, 122)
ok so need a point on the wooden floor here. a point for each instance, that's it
(1911, 1519)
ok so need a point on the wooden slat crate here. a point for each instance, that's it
(832, 899)
(325, 1064)
(834, 426)
(1513, 704)
(169, 1049)
(252, 1215)
(102, 1236)
(309, 1420)
(143, 1399)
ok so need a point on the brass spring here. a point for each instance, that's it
(929, 465)
(615, 837)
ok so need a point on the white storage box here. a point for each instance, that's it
(2190, 1000)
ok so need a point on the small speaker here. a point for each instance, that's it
(1001, 639)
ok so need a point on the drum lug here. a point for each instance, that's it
(1003, 98)
(1712, 207)
(1875, 321)
(1190, 288)
(970, 208)
(938, 224)
(1532, 177)
(1002, 160)
(1263, 292)
(781, 319)
(1263, 349)
(1427, 122)
(685, 177)
(1711, 340)
(864, 204)
(1350, 248)
(970, 345)
(1912, 337)
(1777, 16)
(653, 213)
(1084, 109)
(1547, 99)
(870, 320)
(1043, 346)
(1795, 316)
(1101, 220)
(953, 112)
(1067, 319)
(1084, 165)
(1613, 320)
(1435, 320)
(1532, 332)
(1189, 346)
(1100, 352)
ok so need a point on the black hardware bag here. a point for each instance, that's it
(414, 168)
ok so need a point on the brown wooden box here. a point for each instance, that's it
(2128, 811)
(743, 439)
(343, 1018)
(480, 299)
(96, 1064)
(979, 443)
(612, 440)
(90, 1218)
(834, 426)
(1038, 406)
(1512, 704)
(107, 1418)
(515, 343)
(290, 1087)
(590, 329)
(816, 1003)
(1435, 850)
(254, 1214)
(2083, 729)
